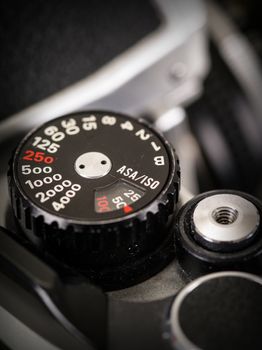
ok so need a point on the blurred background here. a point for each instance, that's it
(190, 67)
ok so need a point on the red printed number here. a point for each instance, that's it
(38, 157)
(102, 204)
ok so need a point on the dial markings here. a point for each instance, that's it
(155, 146)
(127, 209)
(105, 149)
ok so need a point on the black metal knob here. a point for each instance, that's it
(95, 188)
(219, 230)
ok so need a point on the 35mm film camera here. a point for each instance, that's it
(105, 241)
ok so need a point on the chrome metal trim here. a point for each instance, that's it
(140, 78)
(244, 225)
(181, 341)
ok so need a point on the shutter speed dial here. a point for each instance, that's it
(95, 188)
